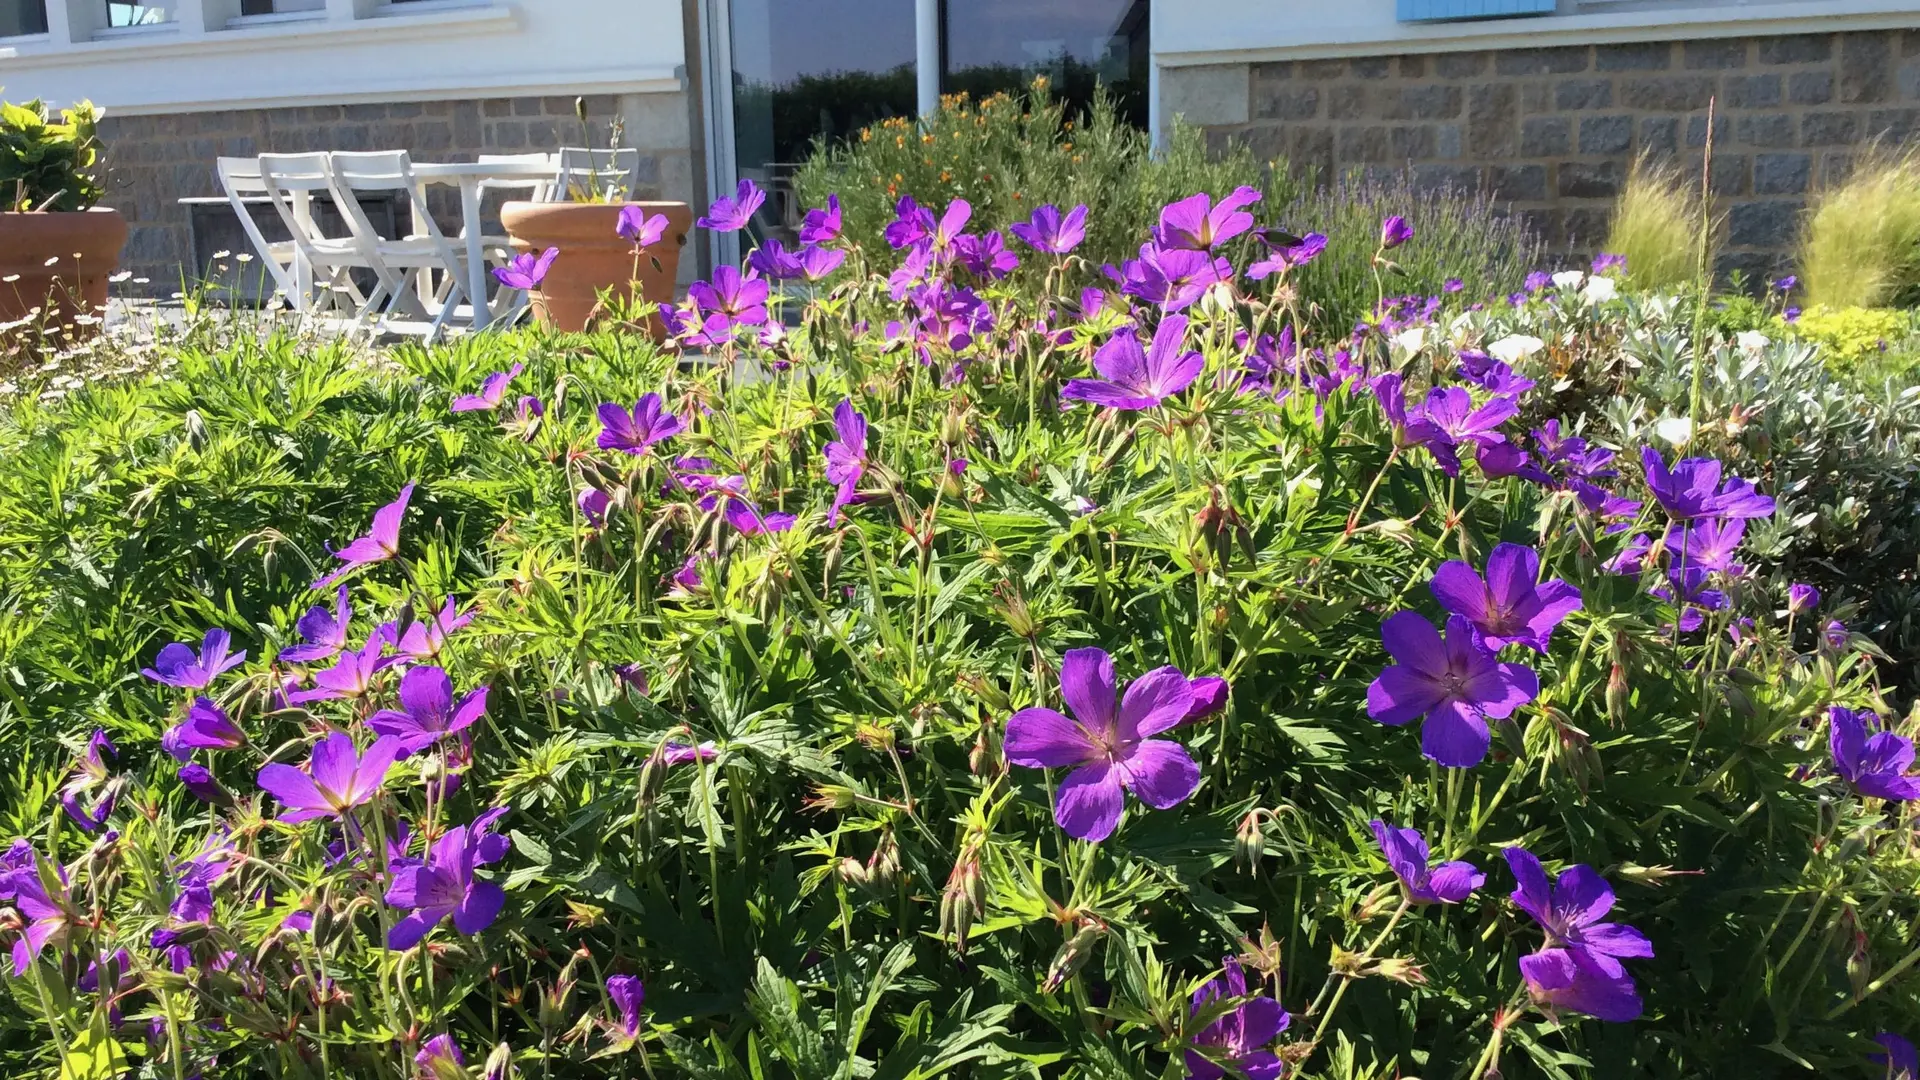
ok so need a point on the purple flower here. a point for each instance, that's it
(1240, 1038)
(1456, 682)
(427, 710)
(1510, 606)
(176, 664)
(1835, 635)
(1451, 409)
(426, 638)
(1901, 1060)
(381, 543)
(633, 432)
(1537, 281)
(773, 261)
(985, 257)
(205, 727)
(822, 226)
(1284, 257)
(444, 884)
(635, 226)
(731, 213)
(1503, 459)
(1692, 489)
(1802, 598)
(492, 389)
(325, 632)
(351, 676)
(1134, 378)
(678, 753)
(911, 224)
(1406, 852)
(954, 219)
(1604, 262)
(1876, 765)
(45, 916)
(740, 298)
(1686, 589)
(1195, 224)
(90, 772)
(339, 778)
(199, 782)
(1209, 694)
(1580, 968)
(1409, 428)
(1632, 558)
(1786, 284)
(1047, 231)
(441, 1049)
(1393, 232)
(1173, 278)
(1110, 750)
(527, 270)
(816, 263)
(594, 505)
(846, 456)
(627, 993)
(1708, 544)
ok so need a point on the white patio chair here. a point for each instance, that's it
(398, 259)
(583, 171)
(240, 181)
(510, 303)
(323, 265)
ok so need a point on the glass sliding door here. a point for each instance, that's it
(994, 45)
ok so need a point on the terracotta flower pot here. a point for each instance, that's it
(59, 264)
(594, 259)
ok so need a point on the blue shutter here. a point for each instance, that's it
(1438, 10)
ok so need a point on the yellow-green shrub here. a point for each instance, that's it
(1851, 334)
(1656, 225)
(1861, 243)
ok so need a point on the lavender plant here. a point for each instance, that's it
(938, 670)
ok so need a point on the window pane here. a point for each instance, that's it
(22, 17)
(135, 14)
(806, 69)
(996, 45)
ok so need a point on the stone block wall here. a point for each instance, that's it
(153, 161)
(1552, 132)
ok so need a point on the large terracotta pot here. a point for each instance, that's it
(594, 259)
(62, 261)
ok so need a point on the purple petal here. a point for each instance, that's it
(407, 933)
(1582, 896)
(1040, 738)
(1534, 896)
(1161, 773)
(1452, 882)
(333, 763)
(1088, 803)
(1455, 736)
(1460, 591)
(292, 787)
(1153, 703)
(1413, 642)
(1401, 694)
(482, 906)
(1087, 684)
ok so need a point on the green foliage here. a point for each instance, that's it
(48, 164)
(1861, 243)
(1656, 226)
(1849, 336)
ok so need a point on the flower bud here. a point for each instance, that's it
(1859, 966)
(1250, 840)
(853, 872)
(500, 1063)
(831, 797)
(1073, 955)
(964, 899)
(987, 760)
(196, 426)
(1400, 970)
(1617, 694)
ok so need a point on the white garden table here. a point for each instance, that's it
(468, 176)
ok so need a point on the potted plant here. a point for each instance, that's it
(602, 267)
(57, 247)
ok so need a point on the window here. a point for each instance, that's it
(992, 45)
(119, 14)
(280, 7)
(1441, 10)
(19, 17)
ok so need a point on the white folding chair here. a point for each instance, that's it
(583, 172)
(322, 265)
(240, 180)
(396, 259)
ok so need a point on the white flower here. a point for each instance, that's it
(1569, 279)
(1674, 430)
(1751, 341)
(1515, 347)
(1411, 341)
(1599, 290)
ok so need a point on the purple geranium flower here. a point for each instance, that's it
(1686, 588)
(633, 432)
(1287, 256)
(1692, 489)
(846, 456)
(773, 261)
(1580, 969)
(731, 213)
(739, 298)
(444, 884)
(436, 1051)
(176, 665)
(1394, 231)
(640, 229)
(678, 753)
(427, 710)
(1510, 606)
(1633, 558)
(325, 632)
(1136, 378)
(1110, 750)
(1196, 224)
(426, 638)
(1451, 409)
(493, 389)
(1456, 682)
(199, 782)
(985, 257)
(206, 727)
(1802, 598)
(594, 505)
(339, 778)
(1708, 544)
(1605, 261)
(1173, 278)
(1876, 765)
(45, 915)
(816, 263)
(527, 270)
(1209, 694)
(381, 543)
(90, 772)
(822, 226)
(911, 224)
(351, 676)
(1050, 232)
(1406, 852)
(1901, 1060)
(1240, 1038)
(627, 993)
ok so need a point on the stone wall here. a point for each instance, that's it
(153, 161)
(1552, 132)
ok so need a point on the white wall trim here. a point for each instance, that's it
(305, 33)
(1595, 29)
(434, 87)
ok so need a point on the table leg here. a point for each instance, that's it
(476, 254)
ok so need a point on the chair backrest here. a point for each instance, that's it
(583, 172)
(383, 170)
(291, 181)
(239, 178)
(538, 189)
